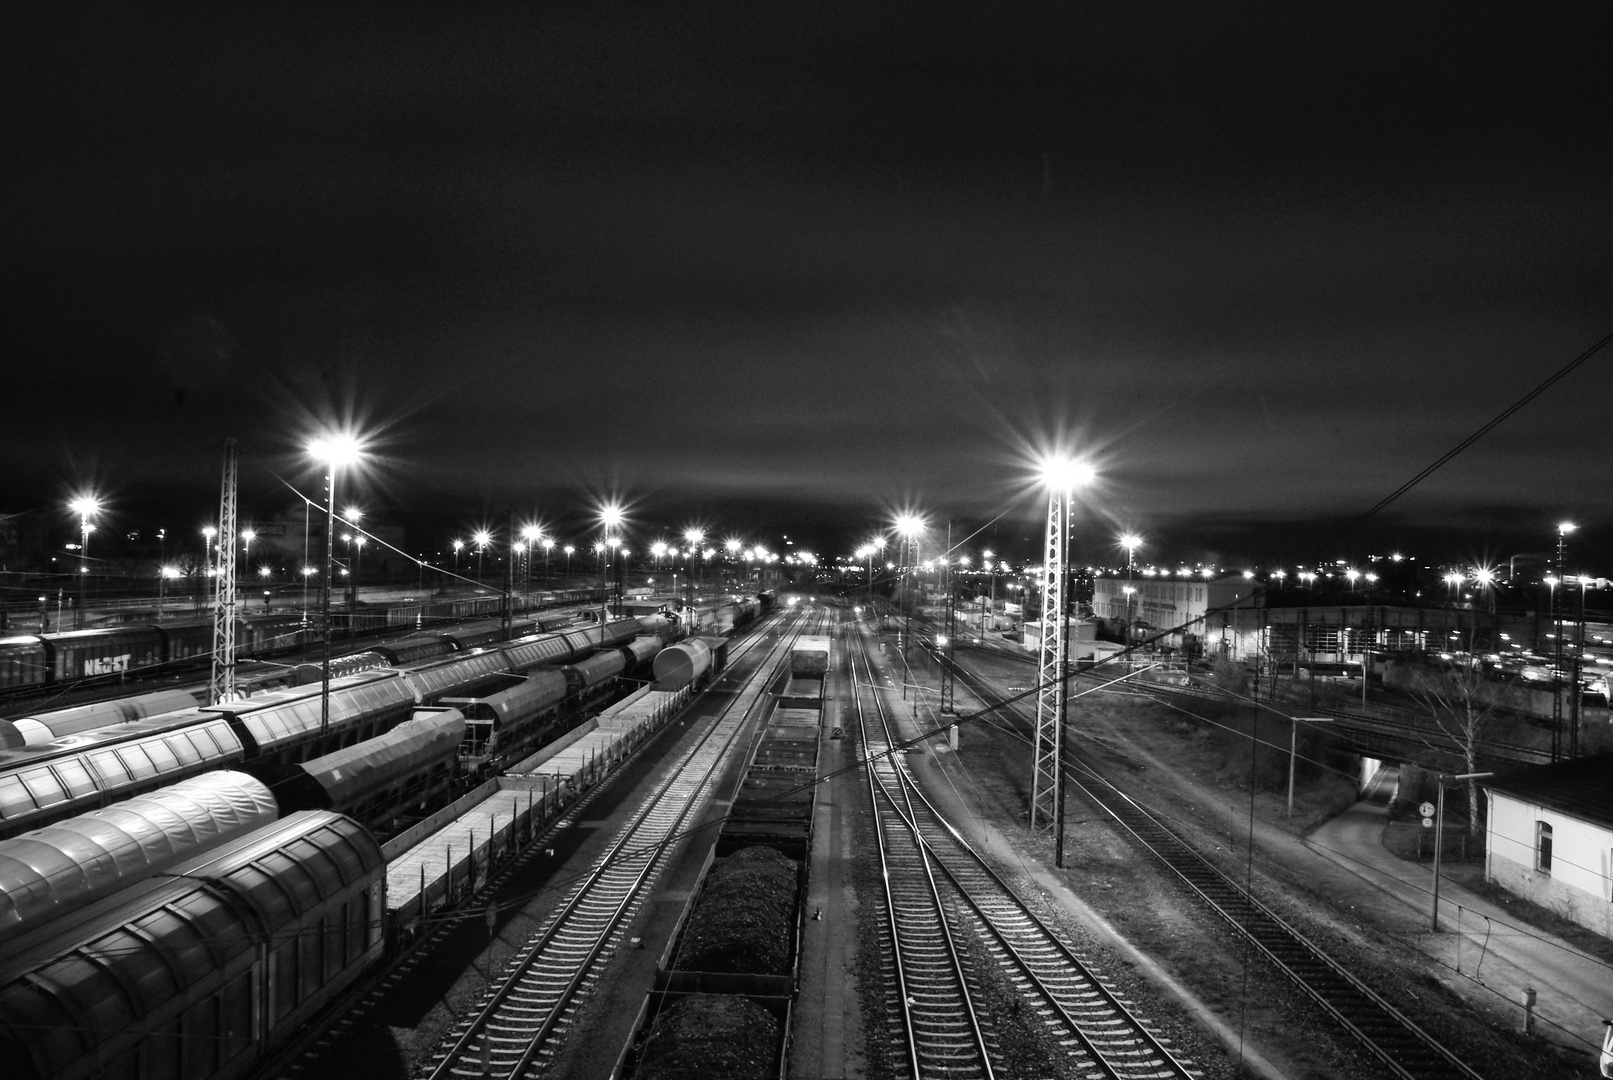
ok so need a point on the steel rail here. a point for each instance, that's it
(1402, 1046)
(939, 1019)
(522, 1014)
(1113, 1041)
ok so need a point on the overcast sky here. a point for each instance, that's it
(1262, 262)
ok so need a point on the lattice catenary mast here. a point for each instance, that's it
(1047, 787)
(222, 686)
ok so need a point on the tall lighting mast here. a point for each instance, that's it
(1061, 476)
(333, 451)
(86, 507)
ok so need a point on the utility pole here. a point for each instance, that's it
(948, 684)
(222, 686)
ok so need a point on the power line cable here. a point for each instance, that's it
(1429, 470)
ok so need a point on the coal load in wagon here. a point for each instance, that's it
(745, 919)
(711, 1035)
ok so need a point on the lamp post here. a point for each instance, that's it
(532, 534)
(353, 514)
(991, 568)
(569, 548)
(481, 540)
(459, 545)
(335, 451)
(548, 546)
(85, 506)
(352, 585)
(693, 536)
(1563, 529)
(164, 576)
(610, 519)
(247, 536)
(206, 569)
(1131, 542)
(910, 527)
(616, 567)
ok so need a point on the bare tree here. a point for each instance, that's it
(1463, 702)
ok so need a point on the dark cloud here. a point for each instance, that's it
(1265, 261)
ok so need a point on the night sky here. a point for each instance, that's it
(798, 266)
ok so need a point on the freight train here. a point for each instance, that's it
(77, 772)
(218, 930)
(32, 660)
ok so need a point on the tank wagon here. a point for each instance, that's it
(695, 662)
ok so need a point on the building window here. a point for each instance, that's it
(1543, 846)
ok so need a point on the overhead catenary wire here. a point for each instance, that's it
(1429, 470)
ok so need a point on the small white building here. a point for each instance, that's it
(1549, 838)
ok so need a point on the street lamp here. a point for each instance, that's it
(910, 527)
(532, 534)
(548, 546)
(85, 506)
(334, 451)
(617, 554)
(481, 540)
(599, 568)
(693, 536)
(247, 536)
(1131, 542)
(352, 586)
(459, 545)
(164, 576)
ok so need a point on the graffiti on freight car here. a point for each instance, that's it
(107, 665)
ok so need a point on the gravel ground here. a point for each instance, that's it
(1185, 769)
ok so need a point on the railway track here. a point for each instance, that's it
(939, 888)
(514, 1033)
(1399, 1044)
